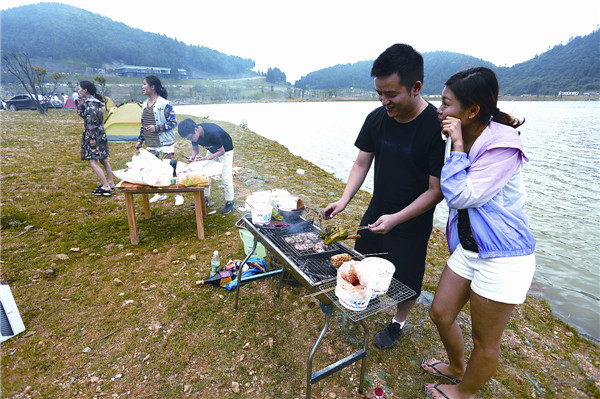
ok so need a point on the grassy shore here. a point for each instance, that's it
(107, 319)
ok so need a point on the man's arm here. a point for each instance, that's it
(219, 152)
(358, 173)
(194, 152)
(420, 205)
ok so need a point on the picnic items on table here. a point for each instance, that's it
(147, 169)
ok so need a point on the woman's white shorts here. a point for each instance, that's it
(504, 280)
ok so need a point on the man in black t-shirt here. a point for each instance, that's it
(219, 147)
(404, 139)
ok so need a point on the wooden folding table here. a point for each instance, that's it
(129, 189)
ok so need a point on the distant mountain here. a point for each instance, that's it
(358, 75)
(58, 36)
(571, 67)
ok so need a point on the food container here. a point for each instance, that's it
(292, 217)
(262, 216)
(291, 208)
(354, 286)
(382, 270)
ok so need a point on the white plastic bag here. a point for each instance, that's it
(146, 169)
(206, 168)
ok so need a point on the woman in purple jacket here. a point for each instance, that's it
(492, 247)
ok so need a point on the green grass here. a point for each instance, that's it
(74, 271)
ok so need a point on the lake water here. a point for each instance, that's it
(562, 141)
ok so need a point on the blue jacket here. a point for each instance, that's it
(488, 182)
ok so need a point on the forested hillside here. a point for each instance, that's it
(69, 37)
(571, 67)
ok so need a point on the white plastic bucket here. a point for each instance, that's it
(383, 271)
(262, 215)
(248, 240)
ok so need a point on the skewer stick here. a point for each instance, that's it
(319, 292)
(447, 149)
(378, 253)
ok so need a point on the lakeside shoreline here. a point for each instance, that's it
(426, 97)
(540, 354)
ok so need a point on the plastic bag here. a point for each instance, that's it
(206, 168)
(257, 265)
(146, 169)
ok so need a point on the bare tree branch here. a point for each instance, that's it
(32, 78)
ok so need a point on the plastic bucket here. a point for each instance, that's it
(248, 240)
(262, 216)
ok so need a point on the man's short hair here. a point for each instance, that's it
(186, 127)
(401, 59)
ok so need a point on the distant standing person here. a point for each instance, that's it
(403, 139)
(219, 147)
(492, 262)
(94, 144)
(158, 125)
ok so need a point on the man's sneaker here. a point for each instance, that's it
(101, 191)
(387, 337)
(179, 200)
(158, 197)
(228, 207)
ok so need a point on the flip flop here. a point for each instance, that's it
(438, 372)
(437, 389)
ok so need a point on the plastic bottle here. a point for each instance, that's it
(173, 163)
(215, 263)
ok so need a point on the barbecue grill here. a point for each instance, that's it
(312, 268)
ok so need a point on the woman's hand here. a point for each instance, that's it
(452, 128)
(151, 128)
(138, 145)
(93, 143)
(333, 209)
(383, 225)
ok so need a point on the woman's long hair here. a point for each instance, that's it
(154, 81)
(480, 86)
(91, 88)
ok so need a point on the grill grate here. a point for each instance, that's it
(397, 292)
(315, 265)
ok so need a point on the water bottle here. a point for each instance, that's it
(215, 263)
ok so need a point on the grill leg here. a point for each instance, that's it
(280, 282)
(239, 276)
(328, 310)
(363, 363)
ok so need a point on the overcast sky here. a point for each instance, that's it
(301, 36)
